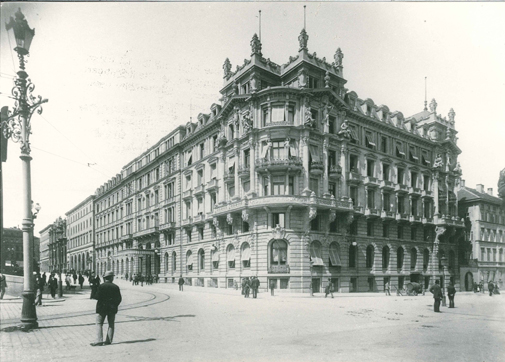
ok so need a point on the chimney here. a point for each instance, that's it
(490, 191)
(480, 188)
(462, 183)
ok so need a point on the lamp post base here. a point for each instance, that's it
(28, 311)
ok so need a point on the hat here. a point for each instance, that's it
(108, 274)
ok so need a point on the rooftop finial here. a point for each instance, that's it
(338, 57)
(260, 24)
(304, 16)
(425, 93)
(303, 38)
(255, 46)
(227, 68)
(433, 106)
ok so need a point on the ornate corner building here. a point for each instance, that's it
(483, 253)
(294, 179)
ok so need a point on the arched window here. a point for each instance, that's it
(400, 253)
(122, 266)
(385, 257)
(426, 259)
(353, 255)
(278, 253)
(189, 260)
(165, 262)
(246, 255)
(174, 262)
(230, 256)
(413, 258)
(215, 258)
(335, 255)
(315, 254)
(370, 251)
(201, 260)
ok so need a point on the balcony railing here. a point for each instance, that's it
(402, 217)
(212, 185)
(335, 171)
(147, 232)
(199, 218)
(427, 220)
(371, 181)
(126, 237)
(316, 168)
(371, 212)
(244, 171)
(354, 178)
(229, 177)
(414, 191)
(386, 185)
(449, 221)
(278, 123)
(387, 215)
(278, 269)
(167, 226)
(198, 190)
(415, 219)
(401, 188)
(293, 163)
(425, 193)
(187, 221)
(358, 210)
(186, 194)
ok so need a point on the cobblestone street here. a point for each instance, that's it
(160, 322)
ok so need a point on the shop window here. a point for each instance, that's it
(316, 254)
(278, 252)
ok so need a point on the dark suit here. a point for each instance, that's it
(437, 295)
(108, 298)
(255, 286)
(451, 291)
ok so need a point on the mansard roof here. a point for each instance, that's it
(467, 194)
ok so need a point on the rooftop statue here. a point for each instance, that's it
(338, 57)
(438, 161)
(433, 106)
(255, 45)
(227, 67)
(303, 38)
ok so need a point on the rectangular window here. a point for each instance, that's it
(401, 204)
(413, 154)
(278, 219)
(247, 186)
(188, 235)
(188, 182)
(401, 176)
(200, 233)
(200, 178)
(384, 144)
(387, 202)
(278, 151)
(369, 228)
(278, 187)
(370, 140)
(332, 188)
(399, 150)
(265, 116)
(425, 159)
(353, 163)
(291, 185)
(370, 168)
(353, 228)
(332, 121)
(371, 199)
(231, 191)
(315, 224)
(266, 186)
(354, 195)
(385, 172)
(245, 227)
(314, 185)
(278, 113)
(413, 179)
(400, 231)
(385, 230)
(413, 233)
(414, 207)
(291, 115)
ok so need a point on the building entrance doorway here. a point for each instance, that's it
(469, 282)
(316, 285)
(415, 278)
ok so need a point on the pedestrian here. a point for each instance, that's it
(3, 285)
(437, 295)
(108, 298)
(388, 288)
(94, 283)
(181, 283)
(81, 280)
(68, 281)
(39, 285)
(328, 289)
(255, 286)
(247, 287)
(126, 277)
(272, 286)
(235, 285)
(131, 278)
(451, 291)
(243, 287)
(311, 289)
(53, 285)
(74, 276)
(44, 276)
(490, 286)
(141, 277)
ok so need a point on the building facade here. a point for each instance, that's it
(485, 215)
(58, 246)
(13, 248)
(294, 179)
(80, 235)
(44, 249)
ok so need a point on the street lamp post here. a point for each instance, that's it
(444, 273)
(18, 127)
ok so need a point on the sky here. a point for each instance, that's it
(120, 76)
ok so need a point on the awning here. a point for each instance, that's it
(334, 257)
(399, 150)
(266, 147)
(190, 260)
(369, 139)
(231, 254)
(413, 155)
(278, 114)
(425, 158)
(231, 163)
(315, 255)
(314, 153)
(292, 150)
(246, 253)
(215, 256)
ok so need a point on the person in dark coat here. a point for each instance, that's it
(255, 284)
(181, 283)
(437, 295)
(74, 276)
(328, 289)
(108, 298)
(272, 286)
(39, 285)
(247, 287)
(94, 282)
(451, 291)
(53, 285)
(81, 280)
(490, 286)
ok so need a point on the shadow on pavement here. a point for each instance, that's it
(137, 341)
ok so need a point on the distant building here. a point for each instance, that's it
(58, 246)
(485, 215)
(13, 248)
(292, 178)
(44, 249)
(80, 235)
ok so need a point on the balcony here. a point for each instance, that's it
(449, 221)
(126, 237)
(167, 226)
(401, 188)
(278, 269)
(229, 177)
(414, 219)
(187, 194)
(387, 185)
(425, 193)
(147, 232)
(402, 217)
(427, 220)
(212, 185)
(198, 190)
(316, 168)
(358, 210)
(371, 213)
(335, 171)
(187, 221)
(371, 181)
(387, 215)
(199, 218)
(414, 191)
(354, 178)
(244, 172)
(278, 124)
(291, 164)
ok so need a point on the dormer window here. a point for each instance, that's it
(245, 88)
(368, 110)
(384, 116)
(370, 140)
(313, 82)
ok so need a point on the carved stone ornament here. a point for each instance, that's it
(302, 78)
(338, 57)
(215, 222)
(433, 106)
(278, 232)
(247, 122)
(451, 115)
(229, 219)
(439, 230)
(457, 169)
(255, 46)
(439, 163)
(333, 215)
(327, 80)
(227, 68)
(345, 131)
(312, 213)
(303, 39)
(245, 215)
(308, 120)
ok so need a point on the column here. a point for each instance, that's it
(305, 154)
(252, 166)
(220, 171)
(343, 164)
(325, 164)
(435, 194)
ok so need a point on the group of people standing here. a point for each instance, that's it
(135, 279)
(249, 284)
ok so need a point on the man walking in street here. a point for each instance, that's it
(451, 291)
(3, 285)
(255, 286)
(108, 298)
(39, 284)
(52, 283)
(328, 289)
(490, 286)
(81, 280)
(181, 283)
(437, 295)
(388, 288)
